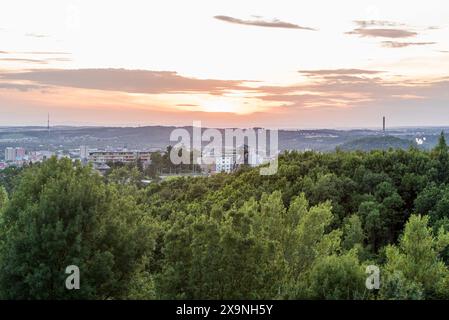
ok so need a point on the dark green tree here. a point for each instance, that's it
(62, 214)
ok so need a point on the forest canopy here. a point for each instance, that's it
(307, 232)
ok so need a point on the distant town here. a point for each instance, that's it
(103, 147)
(102, 160)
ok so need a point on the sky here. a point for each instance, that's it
(275, 64)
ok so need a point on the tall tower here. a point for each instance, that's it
(383, 125)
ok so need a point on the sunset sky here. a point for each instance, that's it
(276, 64)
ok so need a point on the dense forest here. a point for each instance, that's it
(307, 232)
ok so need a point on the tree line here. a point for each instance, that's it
(307, 232)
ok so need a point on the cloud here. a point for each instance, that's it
(130, 81)
(37, 61)
(333, 89)
(16, 56)
(396, 44)
(377, 23)
(38, 52)
(36, 35)
(259, 22)
(24, 60)
(383, 33)
(338, 72)
(393, 30)
(20, 86)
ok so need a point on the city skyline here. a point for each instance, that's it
(227, 64)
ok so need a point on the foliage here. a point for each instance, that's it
(306, 232)
(63, 214)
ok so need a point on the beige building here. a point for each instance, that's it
(119, 156)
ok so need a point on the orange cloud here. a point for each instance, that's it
(131, 81)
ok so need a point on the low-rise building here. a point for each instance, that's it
(224, 163)
(120, 156)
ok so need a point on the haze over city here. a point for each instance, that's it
(283, 64)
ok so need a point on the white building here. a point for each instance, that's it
(84, 152)
(231, 159)
(224, 163)
(10, 154)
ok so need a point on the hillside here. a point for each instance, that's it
(376, 143)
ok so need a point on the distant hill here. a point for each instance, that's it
(158, 137)
(376, 143)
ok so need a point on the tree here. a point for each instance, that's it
(441, 146)
(3, 198)
(434, 201)
(353, 233)
(416, 260)
(441, 154)
(9, 177)
(337, 277)
(63, 214)
(232, 256)
(396, 287)
(373, 224)
(125, 175)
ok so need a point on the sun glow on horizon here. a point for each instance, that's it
(221, 105)
(229, 62)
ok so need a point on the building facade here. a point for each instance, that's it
(119, 156)
(224, 164)
(10, 154)
(20, 154)
(84, 152)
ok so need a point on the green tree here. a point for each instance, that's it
(373, 224)
(125, 175)
(441, 146)
(3, 198)
(416, 260)
(63, 214)
(353, 234)
(337, 277)
(441, 155)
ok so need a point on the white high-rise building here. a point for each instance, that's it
(10, 154)
(84, 152)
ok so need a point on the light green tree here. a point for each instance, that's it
(416, 262)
